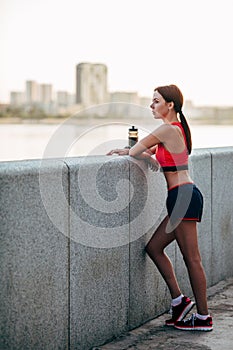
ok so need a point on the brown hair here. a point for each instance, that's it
(171, 93)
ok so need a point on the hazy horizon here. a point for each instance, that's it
(143, 44)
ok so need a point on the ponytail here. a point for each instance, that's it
(186, 131)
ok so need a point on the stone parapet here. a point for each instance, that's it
(73, 269)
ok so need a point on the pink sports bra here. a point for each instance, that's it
(172, 161)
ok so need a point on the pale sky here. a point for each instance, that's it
(144, 43)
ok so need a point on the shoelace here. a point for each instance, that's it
(170, 311)
(192, 319)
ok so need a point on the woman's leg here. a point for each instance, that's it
(186, 237)
(155, 249)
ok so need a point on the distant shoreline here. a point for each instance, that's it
(104, 120)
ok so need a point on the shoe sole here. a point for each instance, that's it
(203, 329)
(183, 314)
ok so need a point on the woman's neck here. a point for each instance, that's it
(171, 118)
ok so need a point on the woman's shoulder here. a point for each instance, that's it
(165, 131)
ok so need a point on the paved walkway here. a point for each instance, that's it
(155, 336)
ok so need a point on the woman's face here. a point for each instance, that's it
(159, 106)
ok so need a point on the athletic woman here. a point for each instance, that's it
(172, 144)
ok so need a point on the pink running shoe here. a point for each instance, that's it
(195, 324)
(180, 311)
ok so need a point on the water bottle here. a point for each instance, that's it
(133, 136)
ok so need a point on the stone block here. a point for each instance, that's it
(149, 295)
(99, 249)
(148, 292)
(33, 259)
(200, 171)
(222, 218)
(201, 164)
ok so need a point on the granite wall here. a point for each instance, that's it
(73, 270)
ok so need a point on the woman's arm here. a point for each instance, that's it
(151, 161)
(149, 142)
(145, 147)
(152, 150)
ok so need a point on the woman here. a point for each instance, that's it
(171, 142)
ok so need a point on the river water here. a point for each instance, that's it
(33, 141)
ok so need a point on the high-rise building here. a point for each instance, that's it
(124, 96)
(62, 98)
(32, 92)
(45, 94)
(91, 84)
(17, 98)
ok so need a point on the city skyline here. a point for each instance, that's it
(91, 89)
(143, 44)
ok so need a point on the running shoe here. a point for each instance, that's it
(195, 324)
(180, 311)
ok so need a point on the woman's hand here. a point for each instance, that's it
(120, 152)
(152, 163)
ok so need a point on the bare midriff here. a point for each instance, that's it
(177, 178)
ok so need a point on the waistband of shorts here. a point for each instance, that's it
(183, 184)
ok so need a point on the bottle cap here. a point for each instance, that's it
(133, 128)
